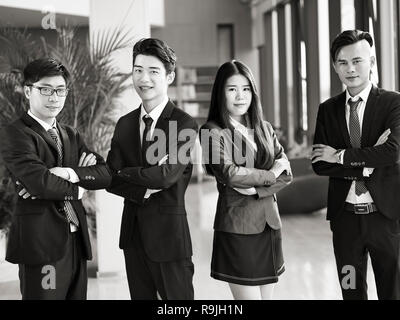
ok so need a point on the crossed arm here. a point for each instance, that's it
(35, 179)
(245, 180)
(355, 162)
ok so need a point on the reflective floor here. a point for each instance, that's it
(309, 260)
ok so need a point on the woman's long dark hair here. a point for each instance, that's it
(219, 113)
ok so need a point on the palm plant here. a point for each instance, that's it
(95, 84)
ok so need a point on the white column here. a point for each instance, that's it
(387, 35)
(134, 16)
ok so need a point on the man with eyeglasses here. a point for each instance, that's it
(52, 167)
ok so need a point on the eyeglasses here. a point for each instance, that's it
(46, 91)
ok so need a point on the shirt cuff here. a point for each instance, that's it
(73, 177)
(81, 191)
(367, 172)
(147, 194)
(341, 156)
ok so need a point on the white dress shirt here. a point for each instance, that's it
(73, 177)
(352, 197)
(248, 134)
(155, 115)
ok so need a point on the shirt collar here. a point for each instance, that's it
(156, 112)
(363, 94)
(237, 124)
(44, 124)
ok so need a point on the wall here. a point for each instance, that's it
(191, 29)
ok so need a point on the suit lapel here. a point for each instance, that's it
(369, 116)
(163, 124)
(136, 134)
(35, 126)
(341, 118)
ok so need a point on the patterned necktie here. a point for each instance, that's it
(146, 141)
(355, 137)
(67, 206)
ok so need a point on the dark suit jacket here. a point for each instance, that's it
(238, 213)
(161, 218)
(39, 231)
(382, 111)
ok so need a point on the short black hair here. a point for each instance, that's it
(44, 67)
(349, 37)
(157, 48)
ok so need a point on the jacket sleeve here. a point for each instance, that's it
(386, 154)
(323, 168)
(165, 175)
(91, 177)
(284, 179)
(116, 162)
(21, 158)
(217, 156)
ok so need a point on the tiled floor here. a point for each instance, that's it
(310, 265)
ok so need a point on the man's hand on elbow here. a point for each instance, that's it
(325, 153)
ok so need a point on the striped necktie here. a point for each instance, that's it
(67, 206)
(355, 137)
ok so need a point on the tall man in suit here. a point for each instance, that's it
(150, 161)
(52, 167)
(357, 144)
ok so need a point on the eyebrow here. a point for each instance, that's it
(355, 58)
(138, 66)
(235, 85)
(49, 85)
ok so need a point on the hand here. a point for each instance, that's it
(246, 192)
(60, 172)
(23, 192)
(322, 152)
(87, 160)
(149, 192)
(163, 160)
(384, 136)
(285, 165)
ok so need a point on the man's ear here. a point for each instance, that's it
(27, 92)
(170, 77)
(334, 66)
(372, 60)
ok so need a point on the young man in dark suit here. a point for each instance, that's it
(52, 167)
(357, 144)
(150, 161)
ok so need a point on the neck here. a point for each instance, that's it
(355, 91)
(240, 119)
(49, 121)
(151, 104)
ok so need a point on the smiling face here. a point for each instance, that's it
(353, 66)
(151, 80)
(238, 96)
(46, 108)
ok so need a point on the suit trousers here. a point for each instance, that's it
(65, 279)
(172, 280)
(354, 237)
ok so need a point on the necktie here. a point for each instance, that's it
(355, 138)
(67, 206)
(146, 139)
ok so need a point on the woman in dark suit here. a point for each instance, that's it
(241, 150)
